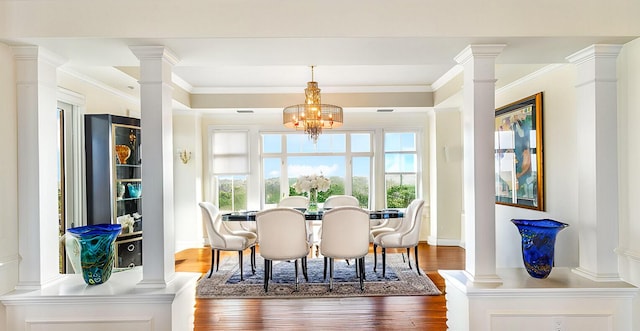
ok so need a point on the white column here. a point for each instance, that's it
(478, 164)
(37, 171)
(596, 94)
(156, 64)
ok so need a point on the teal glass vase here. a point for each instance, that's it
(538, 244)
(97, 250)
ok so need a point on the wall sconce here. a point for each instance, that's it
(185, 155)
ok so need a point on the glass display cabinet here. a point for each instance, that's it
(114, 182)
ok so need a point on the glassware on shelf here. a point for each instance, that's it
(538, 243)
(97, 251)
(135, 190)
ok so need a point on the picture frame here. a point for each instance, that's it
(518, 148)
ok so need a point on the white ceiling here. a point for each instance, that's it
(280, 65)
(267, 46)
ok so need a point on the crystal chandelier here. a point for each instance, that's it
(312, 116)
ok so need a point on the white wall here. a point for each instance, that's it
(560, 168)
(629, 151)
(101, 99)
(187, 182)
(560, 141)
(8, 176)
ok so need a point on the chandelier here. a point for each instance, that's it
(312, 116)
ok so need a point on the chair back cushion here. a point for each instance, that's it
(341, 200)
(412, 236)
(218, 239)
(345, 233)
(282, 233)
(296, 201)
(408, 234)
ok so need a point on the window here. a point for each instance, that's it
(380, 168)
(230, 168)
(401, 168)
(345, 158)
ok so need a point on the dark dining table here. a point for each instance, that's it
(312, 215)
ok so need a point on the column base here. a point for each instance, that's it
(563, 301)
(119, 304)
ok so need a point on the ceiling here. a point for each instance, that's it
(227, 47)
(282, 65)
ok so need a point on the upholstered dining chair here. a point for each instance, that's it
(340, 200)
(294, 201)
(298, 201)
(283, 237)
(345, 235)
(221, 239)
(406, 236)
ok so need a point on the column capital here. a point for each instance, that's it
(26, 53)
(484, 51)
(154, 52)
(595, 51)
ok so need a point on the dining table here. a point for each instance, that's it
(312, 215)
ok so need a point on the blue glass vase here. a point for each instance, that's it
(97, 251)
(538, 243)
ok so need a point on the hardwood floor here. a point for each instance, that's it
(381, 313)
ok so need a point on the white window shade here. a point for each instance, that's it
(230, 152)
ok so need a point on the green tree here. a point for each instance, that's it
(399, 196)
(272, 190)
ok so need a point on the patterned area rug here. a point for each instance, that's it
(399, 280)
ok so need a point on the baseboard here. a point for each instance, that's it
(443, 242)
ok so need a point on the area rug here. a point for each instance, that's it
(399, 280)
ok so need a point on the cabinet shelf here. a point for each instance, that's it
(113, 188)
(128, 199)
(128, 165)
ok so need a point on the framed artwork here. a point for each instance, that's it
(518, 154)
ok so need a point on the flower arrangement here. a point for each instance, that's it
(310, 183)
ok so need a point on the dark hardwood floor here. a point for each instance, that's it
(381, 313)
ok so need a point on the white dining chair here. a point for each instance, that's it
(345, 235)
(283, 237)
(294, 201)
(221, 239)
(340, 200)
(406, 236)
(302, 202)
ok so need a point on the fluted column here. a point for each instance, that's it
(156, 65)
(37, 159)
(478, 164)
(596, 93)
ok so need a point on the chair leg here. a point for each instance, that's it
(384, 262)
(416, 256)
(240, 261)
(357, 265)
(304, 269)
(253, 260)
(375, 257)
(361, 262)
(330, 274)
(403, 260)
(409, 256)
(324, 272)
(267, 272)
(295, 262)
(213, 261)
(218, 259)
